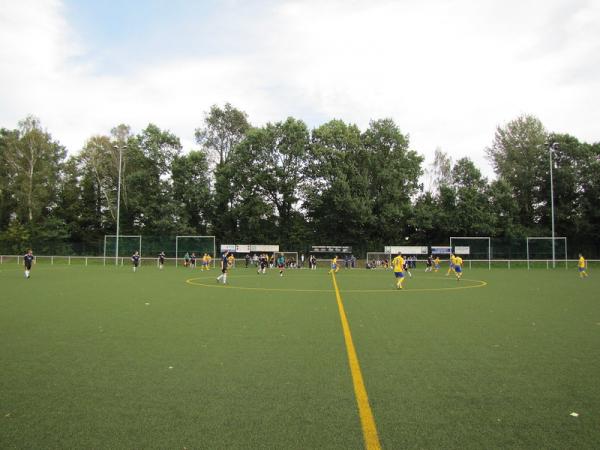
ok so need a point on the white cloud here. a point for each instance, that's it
(447, 72)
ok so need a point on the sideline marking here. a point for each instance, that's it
(194, 282)
(360, 392)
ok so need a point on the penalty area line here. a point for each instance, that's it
(360, 392)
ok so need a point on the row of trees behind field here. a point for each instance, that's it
(285, 183)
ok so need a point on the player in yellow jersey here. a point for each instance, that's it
(436, 264)
(334, 265)
(398, 265)
(451, 261)
(208, 262)
(582, 266)
(231, 261)
(458, 262)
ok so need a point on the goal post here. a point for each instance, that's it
(377, 260)
(291, 259)
(476, 247)
(195, 244)
(128, 244)
(541, 248)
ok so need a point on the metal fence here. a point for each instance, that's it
(360, 263)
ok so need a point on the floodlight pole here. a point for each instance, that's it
(552, 147)
(120, 148)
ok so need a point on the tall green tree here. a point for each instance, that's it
(394, 172)
(7, 175)
(35, 161)
(336, 186)
(223, 129)
(191, 191)
(519, 157)
(270, 163)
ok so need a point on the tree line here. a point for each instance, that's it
(285, 183)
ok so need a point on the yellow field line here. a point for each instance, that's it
(364, 409)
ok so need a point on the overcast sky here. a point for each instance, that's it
(447, 71)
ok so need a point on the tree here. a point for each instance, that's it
(440, 170)
(394, 173)
(35, 162)
(519, 157)
(191, 191)
(336, 185)
(473, 215)
(7, 199)
(270, 162)
(223, 130)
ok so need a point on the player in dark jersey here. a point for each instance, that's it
(406, 268)
(224, 265)
(161, 260)
(263, 262)
(429, 264)
(193, 260)
(135, 260)
(28, 260)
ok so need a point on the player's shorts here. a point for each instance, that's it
(457, 269)
(582, 269)
(399, 274)
(334, 266)
(28, 266)
(437, 266)
(135, 263)
(281, 266)
(224, 270)
(161, 260)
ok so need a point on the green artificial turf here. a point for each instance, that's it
(100, 357)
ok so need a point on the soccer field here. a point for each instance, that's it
(101, 357)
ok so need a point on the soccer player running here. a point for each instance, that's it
(334, 266)
(458, 262)
(429, 264)
(135, 260)
(281, 264)
(582, 266)
(224, 266)
(262, 264)
(28, 260)
(161, 260)
(398, 266)
(436, 263)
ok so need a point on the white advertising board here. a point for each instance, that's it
(406, 249)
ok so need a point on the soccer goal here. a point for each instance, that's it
(127, 246)
(291, 259)
(476, 248)
(195, 244)
(539, 249)
(378, 260)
